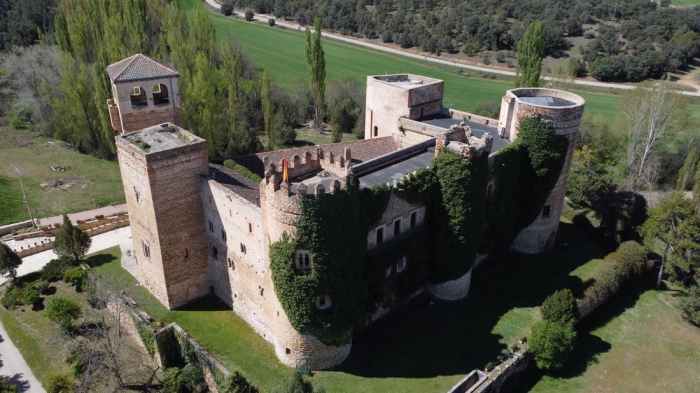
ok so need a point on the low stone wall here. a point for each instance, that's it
(455, 114)
(452, 290)
(510, 368)
(9, 228)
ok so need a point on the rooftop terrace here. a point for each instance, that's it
(407, 81)
(161, 137)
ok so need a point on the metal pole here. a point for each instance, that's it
(26, 202)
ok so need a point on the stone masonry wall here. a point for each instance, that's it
(398, 209)
(385, 104)
(137, 118)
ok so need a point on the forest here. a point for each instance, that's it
(627, 40)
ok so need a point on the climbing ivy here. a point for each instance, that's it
(334, 228)
(524, 174)
(330, 229)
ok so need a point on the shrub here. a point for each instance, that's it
(12, 298)
(551, 343)
(76, 277)
(227, 7)
(500, 57)
(30, 296)
(486, 60)
(271, 22)
(297, 384)
(236, 383)
(249, 15)
(560, 307)
(62, 311)
(690, 304)
(5, 387)
(42, 286)
(192, 378)
(488, 108)
(59, 383)
(55, 269)
(172, 381)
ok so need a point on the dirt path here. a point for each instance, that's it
(14, 369)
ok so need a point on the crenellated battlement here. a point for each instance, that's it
(310, 161)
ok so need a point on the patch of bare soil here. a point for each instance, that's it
(22, 142)
(62, 183)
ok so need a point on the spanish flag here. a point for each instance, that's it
(285, 173)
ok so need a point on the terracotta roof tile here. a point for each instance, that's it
(140, 67)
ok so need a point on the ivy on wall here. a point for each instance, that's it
(524, 174)
(330, 230)
(460, 222)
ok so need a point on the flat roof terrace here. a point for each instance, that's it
(322, 176)
(478, 129)
(407, 81)
(162, 137)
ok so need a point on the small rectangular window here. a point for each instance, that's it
(413, 219)
(546, 211)
(250, 228)
(136, 193)
(397, 227)
(380, 235)
(211, 226)
(187, 253)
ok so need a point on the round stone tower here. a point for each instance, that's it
(564, 110)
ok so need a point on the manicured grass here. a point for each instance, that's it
(635, 343)
(420, 348)
(93, 182)
(688, 3)
(282, 51)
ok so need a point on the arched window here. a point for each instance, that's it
(302, 259)
(376, 131)
(160, 94)
(138, 97)
(323, 302)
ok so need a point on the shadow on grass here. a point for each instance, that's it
(589, 347)
(207, 303)
(99, 259)
(451, 338)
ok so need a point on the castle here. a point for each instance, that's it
(201, 227)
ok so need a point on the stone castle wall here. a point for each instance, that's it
(541, 234)
(136, 118)
(164, 206)
(397, 209)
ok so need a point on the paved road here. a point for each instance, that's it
(382, 48)
(14, 369)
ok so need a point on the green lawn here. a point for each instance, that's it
(688, 3)
(282, 51)
(421, 348)
(88, 181)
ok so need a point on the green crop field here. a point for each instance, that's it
(282, 51)
(688, 3)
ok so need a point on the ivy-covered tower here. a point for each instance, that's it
(564, 110)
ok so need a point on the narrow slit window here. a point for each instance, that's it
(380, 235)
(223, 235)
(397, 227)
(547, 211)
(413, 219)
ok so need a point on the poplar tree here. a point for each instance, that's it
(317, 69)
(268, 110)
(71, 241)
(530, 53)
(689, 172)
(138, 20)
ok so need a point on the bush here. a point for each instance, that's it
(486, 60)
(551, 343)
(192, 378)
(59, 383)
(618, 267)
(62, 311)
(172, 382)
(227, 7)
(42, 286)
(560, 307)
(271, 22)
(249, 15)
(76, 277)
(297, 384)
(30, 296)
(236, 383)
(55, 269)
(500, 57)
(690, 304)
(5, 387)
(488, 108)
(12, 298)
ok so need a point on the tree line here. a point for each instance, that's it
(61, 90)
(625, 40)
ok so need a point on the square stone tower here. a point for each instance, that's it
(161, 168)
(145, 92)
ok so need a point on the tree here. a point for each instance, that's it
(652, 114)
(60, 383)
(9, 261)
(6, 387)
(317, 69)
(674, 223)
(236, 383)
(560, 307)
(71, 241)
(268, 110)
(589, 177)
(551, 343)
(62, 311)
(343, 120)
(249, 15)
(690, 304)
(227, 7)
(530, 53)
(689, 172)
(297, 384)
